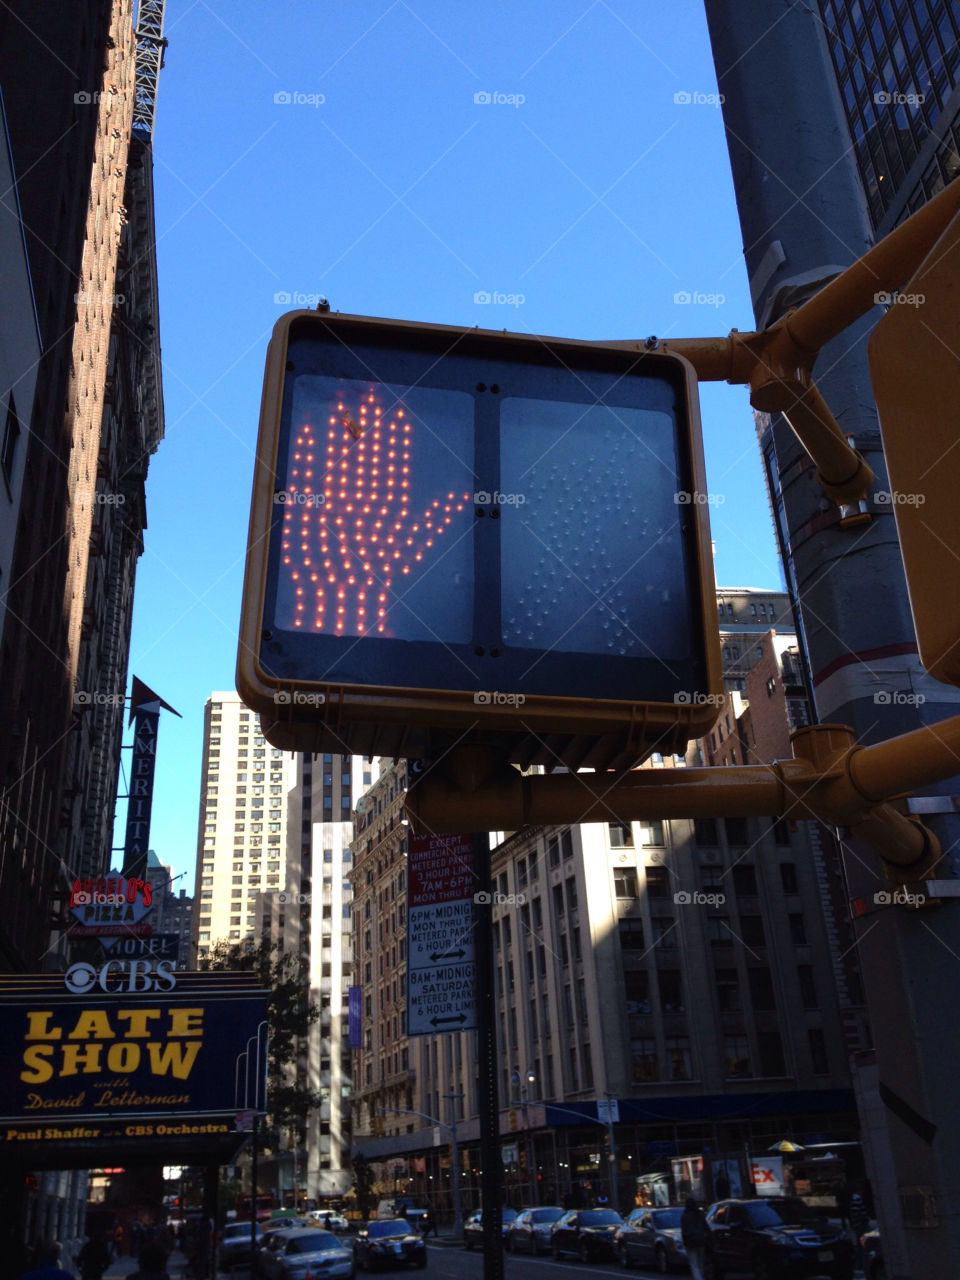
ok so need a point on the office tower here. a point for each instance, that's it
(242, 842)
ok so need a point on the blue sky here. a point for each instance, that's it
(399, 158)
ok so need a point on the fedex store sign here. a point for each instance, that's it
(766, 1173)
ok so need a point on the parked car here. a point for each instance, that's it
(235, 1244)
(273, 1232)
(652, 1235)
(778, 1236)
(586, 1233)
(473, 1227)
(529, 1232)
(390, 1243)
(308, 1250)
(403, 1207)
(329, 1219)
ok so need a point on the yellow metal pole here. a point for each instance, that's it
(882, 269)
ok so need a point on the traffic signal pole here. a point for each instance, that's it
(804, 218)
(488, 1065)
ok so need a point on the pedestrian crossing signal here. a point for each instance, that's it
(461, 535)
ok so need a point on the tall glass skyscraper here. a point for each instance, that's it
(898, 67)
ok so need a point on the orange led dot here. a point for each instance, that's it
(429, 542)
(418, 556)
(382, 598)
(297, 622)
(406, 568)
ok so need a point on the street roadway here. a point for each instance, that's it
(452, 1262)
(459, 1264)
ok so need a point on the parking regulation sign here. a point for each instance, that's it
(441, 967)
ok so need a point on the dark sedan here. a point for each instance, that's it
(777, 1236)
(473, 1227)
(392, 1243)
(530, 1230)
(586, 1233)
(235, 1244)
(652, 1235)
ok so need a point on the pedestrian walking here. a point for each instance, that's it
(843, 1206)
(860, 1222)
(48, 1264)
(94, 1257)
(153, 1263)
(693, 1229)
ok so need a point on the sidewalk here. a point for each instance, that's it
(125, 1265)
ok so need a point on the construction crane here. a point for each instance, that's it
(150, 47)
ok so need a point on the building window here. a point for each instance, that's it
(643, 1056)
(624, 882)
(798, 930)
(652, 832)
(658, 882)
(728, 990)
(671, 990)
(705, 831)
(818, 1052)
(788, 877)
(770, 1048)
(719, 931)
(808, 986)
(736, 1051)
(621, 835)
(761, 990)
(751, 931)
(678, 1058)
(736, 829)
(745, 880)
(631, 935)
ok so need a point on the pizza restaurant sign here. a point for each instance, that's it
(131, 1052)
(110, 905)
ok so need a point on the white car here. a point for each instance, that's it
(310, 1251)
(329, 1219)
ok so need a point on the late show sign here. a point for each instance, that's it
(96, 1055)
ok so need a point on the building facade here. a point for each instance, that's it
(82, 412)
(898, 71)
(273, 861)
(692, 970)
(241, 843)
(81, 419)
(312, 916)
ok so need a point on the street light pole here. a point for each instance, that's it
(614, 1190)
(457, 1215)
(407, 1111)
(528, 1078)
